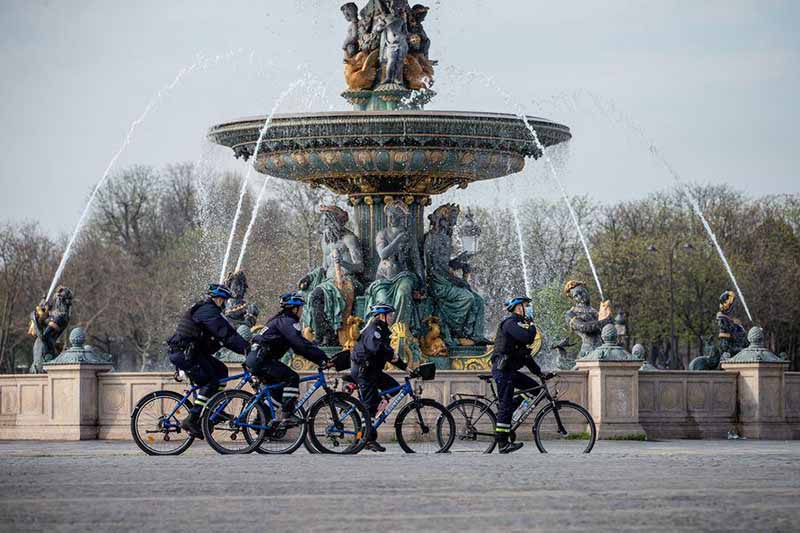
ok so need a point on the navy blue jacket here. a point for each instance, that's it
(282, 333)
(373, 347)
(513, 339)
(213, 331)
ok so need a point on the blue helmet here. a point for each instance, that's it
(292, 299)
(217, 290)
(513, 302)
(381, 309)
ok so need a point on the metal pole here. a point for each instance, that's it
(673, 342)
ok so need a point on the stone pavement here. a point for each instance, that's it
(656, 486)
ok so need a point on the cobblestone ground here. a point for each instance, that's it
(656, 486)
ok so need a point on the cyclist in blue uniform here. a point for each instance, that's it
(512, 351)
(370, 354)
(280, 334)
(201, 332)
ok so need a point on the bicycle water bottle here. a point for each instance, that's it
(521, 409)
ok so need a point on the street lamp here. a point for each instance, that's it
(688, 248)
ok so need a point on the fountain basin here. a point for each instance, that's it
(409, 151)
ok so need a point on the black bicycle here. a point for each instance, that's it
(560, 426)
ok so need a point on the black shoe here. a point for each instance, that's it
(374, 446)
(192, 426)
(510, 447)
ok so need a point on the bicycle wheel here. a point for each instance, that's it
(280, 437)
(225, 419)
(338, 423)
(425, 426)
(579, 433)
(475, 422)
(156, 424)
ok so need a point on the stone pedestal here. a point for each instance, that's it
(613, 388)
(74, 401)
(761, 399)
(761, 390)
(72, 380)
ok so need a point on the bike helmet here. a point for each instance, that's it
(217, 290)
(292, 299)
(381, 309)
(513, 302)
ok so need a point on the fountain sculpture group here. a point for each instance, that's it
(389, 157)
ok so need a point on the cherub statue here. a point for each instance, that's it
(732, 336)
(393, 28)
(350, 46)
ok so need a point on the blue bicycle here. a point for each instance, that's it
(156, 419)
(238, 422)
(423, 425)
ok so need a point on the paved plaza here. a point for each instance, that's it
(657, 486)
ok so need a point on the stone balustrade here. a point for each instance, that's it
(87, 401)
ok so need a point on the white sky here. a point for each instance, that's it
(713, 83)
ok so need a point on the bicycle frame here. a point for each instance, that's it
(192, 393)
(543, 394)
(402, 391)
(320, 382)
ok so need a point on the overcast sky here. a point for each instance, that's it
(713, 84)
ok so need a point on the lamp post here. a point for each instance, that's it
(671, 261)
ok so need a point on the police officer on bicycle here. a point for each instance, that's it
(512, 351)
(370, 354)
(201, 332)
(281, 333)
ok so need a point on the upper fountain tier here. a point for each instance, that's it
(408, 151)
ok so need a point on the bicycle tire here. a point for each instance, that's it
(262, 447)
(320, 412)
(468, 414)
(141, 407)
(410, 441)
(212, 431)
(579, 419)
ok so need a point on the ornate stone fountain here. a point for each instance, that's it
(390, 156)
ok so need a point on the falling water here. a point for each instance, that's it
(521, 242)
(611, 110)
(706, 225)
(200, 63)
(254, 215)
(520, 112)
(235, 222)
(291, 88)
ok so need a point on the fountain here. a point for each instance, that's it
(389, 156)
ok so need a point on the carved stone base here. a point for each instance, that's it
(388, 98)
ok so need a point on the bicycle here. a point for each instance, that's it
(415, 422)
(560, 426)
(254, 418)
(156, 418)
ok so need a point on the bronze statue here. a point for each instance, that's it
(333, 287)
(400, 275)
(350, 46)
(583, 319)
(393, 28)
(732, 336)
(237, 310)
(459, 307)
(48, 322)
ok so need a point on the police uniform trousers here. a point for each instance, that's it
(205, 371)
(273, 371)
(370, 382)
(506, 381)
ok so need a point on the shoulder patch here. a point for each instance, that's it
(377, 334)
(296, 326)
(524, 325)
